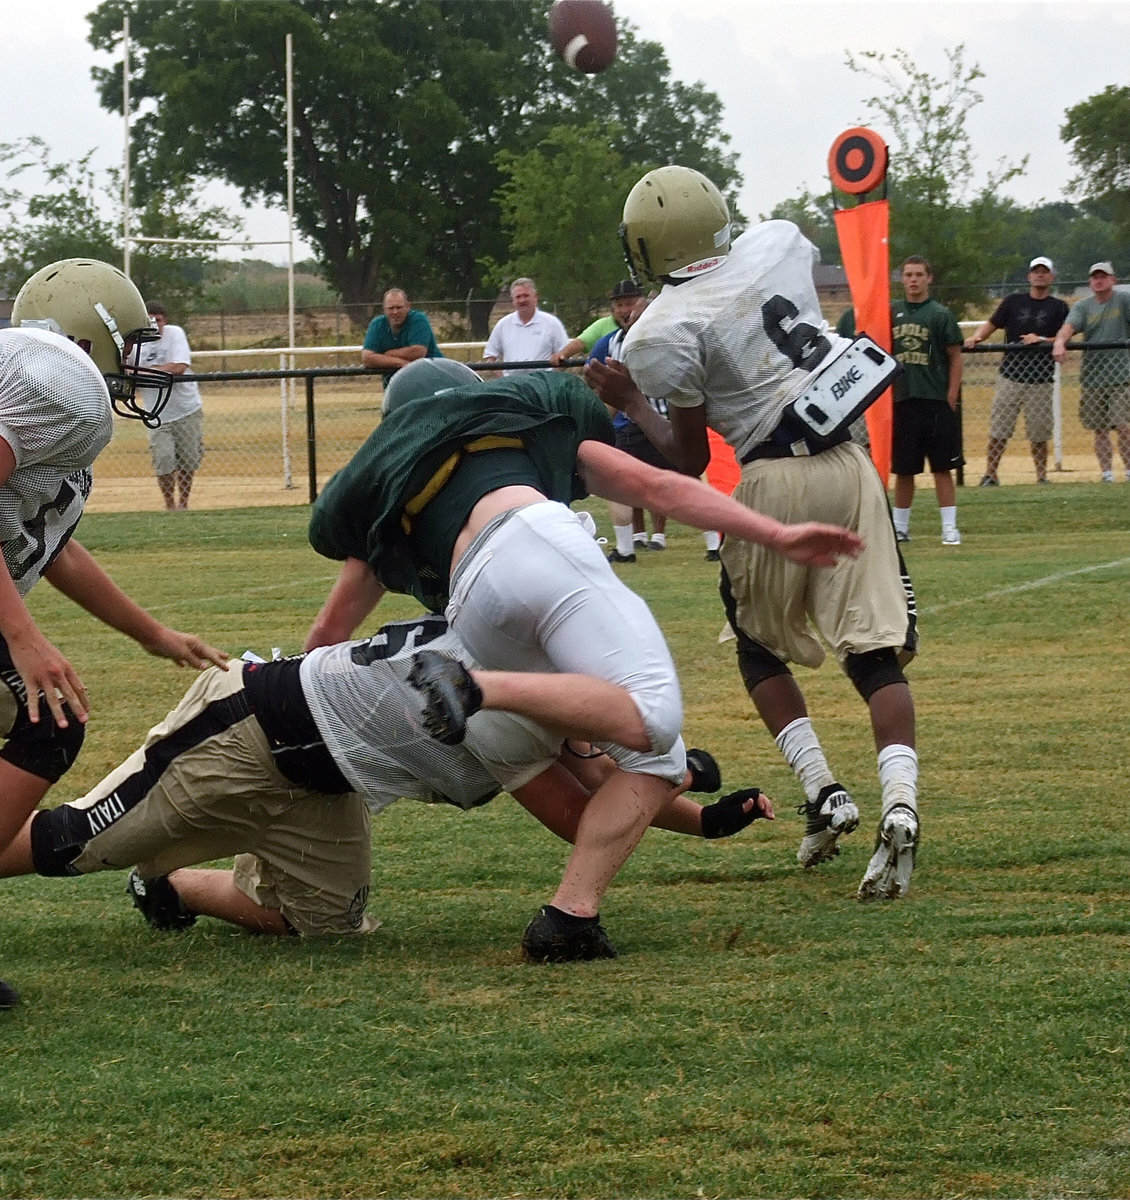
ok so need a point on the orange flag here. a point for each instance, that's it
(864, 243)
(857, 164)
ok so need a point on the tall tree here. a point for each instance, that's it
(400, 109)
(938, 209)
(561, 204)
(1097, 133)
(51, 210)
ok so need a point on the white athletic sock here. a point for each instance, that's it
(949, 516)
(902, 519)
(801, 748)
(898, 777)
(624, 543)
(713, 539)
(639, 539)
(660, 539)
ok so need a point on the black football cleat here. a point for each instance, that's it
(554, 936)
(158, 902)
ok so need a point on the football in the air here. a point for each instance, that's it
(583, 32)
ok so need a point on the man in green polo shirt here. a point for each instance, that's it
(401, 334)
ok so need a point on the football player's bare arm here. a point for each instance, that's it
(610, 473)
(575, 706)
(354, 595)
(42, 667)
(680, 815)
(76, 573)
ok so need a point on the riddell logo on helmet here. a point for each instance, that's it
(704, 264)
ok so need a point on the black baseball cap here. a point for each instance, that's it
(626, 287)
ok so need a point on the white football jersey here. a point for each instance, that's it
(740, 339)
(55, 415)
(370, 720)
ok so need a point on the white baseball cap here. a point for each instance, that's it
(1041, 262)
(1107, 268)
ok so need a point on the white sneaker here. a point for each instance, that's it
(888, 873)
(951, 536)
(832, 814)
(1108, 477)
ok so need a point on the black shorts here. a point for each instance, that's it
(631, 439)
(925, 430)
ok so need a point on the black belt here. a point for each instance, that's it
(784, 441)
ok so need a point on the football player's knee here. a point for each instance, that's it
(57, 838)
(41, 748)
(756, 663)
(872, 670)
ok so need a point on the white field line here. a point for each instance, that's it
(1031, 586)
(282, 586)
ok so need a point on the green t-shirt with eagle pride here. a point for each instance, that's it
(921, 334)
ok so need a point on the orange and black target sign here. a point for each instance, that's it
(857, 162)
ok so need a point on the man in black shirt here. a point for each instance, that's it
(1030, 318)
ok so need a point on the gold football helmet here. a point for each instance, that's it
(98, 308)
(676, 225)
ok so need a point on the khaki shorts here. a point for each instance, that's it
(1104, 407)
(858, 605)
(179, 445)
(1010, 397)
(204, 786)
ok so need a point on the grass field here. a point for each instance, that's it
(762, 1034)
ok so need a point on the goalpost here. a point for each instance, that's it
(129, 239)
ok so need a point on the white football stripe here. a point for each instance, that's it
(575, 46)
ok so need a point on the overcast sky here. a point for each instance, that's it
(779, 69)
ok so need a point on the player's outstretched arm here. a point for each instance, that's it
(79, 577)
(557, 799)
(354, 595)
(617, 476)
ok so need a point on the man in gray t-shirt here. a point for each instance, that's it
(1104, 396)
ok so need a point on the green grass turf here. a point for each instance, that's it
(762, 1034)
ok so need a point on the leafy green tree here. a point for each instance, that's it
(938, 209)
(400, 110)
(75, 212)
(561, 204)
(1097, 133)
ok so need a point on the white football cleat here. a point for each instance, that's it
(832, 814)
(951, 536)
(888, 873)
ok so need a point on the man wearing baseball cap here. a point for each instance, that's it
(623, 296)
(1104, 394)
(1029, 319)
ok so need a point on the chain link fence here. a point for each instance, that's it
(262, 433)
